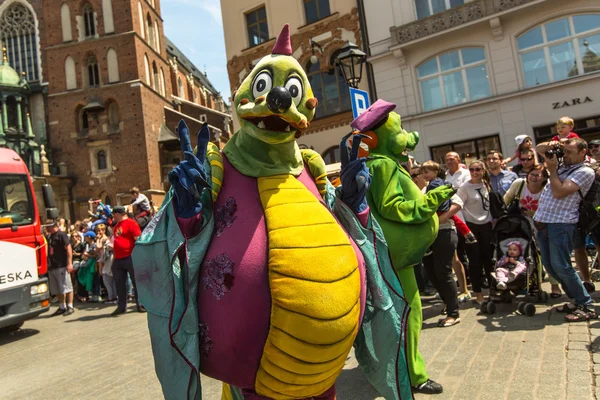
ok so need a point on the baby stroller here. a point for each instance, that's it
(527, 286)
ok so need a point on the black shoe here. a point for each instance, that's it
(118, 311)
(429, 387)
(141, 308)
(69, 311)
(589, 286)
(59, 311)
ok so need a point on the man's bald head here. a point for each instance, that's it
(452, 160)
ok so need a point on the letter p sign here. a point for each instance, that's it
(360, 101)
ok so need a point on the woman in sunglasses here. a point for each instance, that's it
(475, 195)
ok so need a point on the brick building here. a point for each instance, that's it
(107, 91)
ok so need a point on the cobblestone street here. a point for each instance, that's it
(506, 356)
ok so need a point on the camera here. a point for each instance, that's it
(557, 152)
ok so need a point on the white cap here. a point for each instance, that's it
(520, 139)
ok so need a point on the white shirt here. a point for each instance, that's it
(461, 176)
(476, 199)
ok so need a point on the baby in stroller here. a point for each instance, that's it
(510, 266)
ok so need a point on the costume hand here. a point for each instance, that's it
(354, 175)
(441, 193)
(189, 178)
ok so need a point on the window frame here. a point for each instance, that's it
(430, 7)
(462, 68)
(101, 155)
(545, 46)
(89, 22)
(338, 78)
(257, 23)
(319, 16)
(93, 72)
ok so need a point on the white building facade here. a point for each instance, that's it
(470, 75)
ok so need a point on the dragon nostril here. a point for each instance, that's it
(279, 99)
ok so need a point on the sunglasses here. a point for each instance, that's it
(527, 159)
(476, 169)
(594, 146)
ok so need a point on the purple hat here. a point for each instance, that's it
(283, 45)
(374, 115)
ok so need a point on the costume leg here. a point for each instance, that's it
(416, 365)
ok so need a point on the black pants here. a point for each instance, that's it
(480, 255)
(423, 281)
(438, 266)
(120, 268)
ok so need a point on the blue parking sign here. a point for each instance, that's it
(360, 101)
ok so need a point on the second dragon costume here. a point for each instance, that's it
(257, 272)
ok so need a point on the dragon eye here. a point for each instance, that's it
(262, 84)
(294, 86)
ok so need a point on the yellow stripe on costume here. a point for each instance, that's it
(315, 291)
(316, 165)
(215, 159)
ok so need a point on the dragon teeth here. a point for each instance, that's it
(261, 125)
(287, 128)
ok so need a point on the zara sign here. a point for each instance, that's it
(573, 102)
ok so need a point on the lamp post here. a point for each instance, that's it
(351, 60)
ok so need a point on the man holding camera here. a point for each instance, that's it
(556, 220)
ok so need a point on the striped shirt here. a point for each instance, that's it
(566, 210)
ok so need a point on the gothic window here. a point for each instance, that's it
(113, 65)
(560, 49)
(70, 74)
(89, 21)
(150, 31)
(93, 72)
(256, 23)
(162, 82)
(329, 88)
(107, 12)
(11, 105)
(19, 34)
(453, 78)
(156, 81)
(141, 13)
(316, 10)
(147, 70)
(84, 124)
(180, 91)
(101, 160)
(113, 118)
(425, 8)
(65, 20)
(157, 36)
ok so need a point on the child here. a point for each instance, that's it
(523, 142)
(430, 171)
(564, 127)
(510, 265)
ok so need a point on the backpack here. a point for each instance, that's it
(589, 216)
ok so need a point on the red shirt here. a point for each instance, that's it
(125, 233)
(571, 135)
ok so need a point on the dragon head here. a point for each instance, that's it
(385, 135)
(275, 102)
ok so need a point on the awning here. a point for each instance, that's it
(93, 106)
(166, 135)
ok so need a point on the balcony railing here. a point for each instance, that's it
(451, 18)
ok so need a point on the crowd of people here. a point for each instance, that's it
(547, 185)
(90, 260)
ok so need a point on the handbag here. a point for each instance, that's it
(514, 208)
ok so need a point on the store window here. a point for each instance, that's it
(256, 23)
(560, 49)
(588, 128)
(469, 150)
(425, 8)
(330, 88)
(316, 10)
(453, 78)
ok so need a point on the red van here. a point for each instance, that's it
(23, 251)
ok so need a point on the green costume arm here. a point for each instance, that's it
(388, 195)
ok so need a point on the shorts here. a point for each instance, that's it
(578, 239)
(60, 281)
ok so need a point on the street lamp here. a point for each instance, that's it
(350, 60)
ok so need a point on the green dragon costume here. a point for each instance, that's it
(257, 272)
(406, 215)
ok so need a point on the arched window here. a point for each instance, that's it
(84, 123)
(107, 12)
(65, 21)
(141, 14)
(453, 78)
(425, 8)
(89, 22)
(150, 30)
(93, 72)
(113, 118)
(101, 159)
(331, 155)
(113, 65)
(19, 34)
(157, 36)
(147, 70)
(162, 82)
(330, 88)
(180, 91)
(195, 96)
(560, 49)
(11, 106)
(70, 75)
(156, 81)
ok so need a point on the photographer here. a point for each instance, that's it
(556, 220)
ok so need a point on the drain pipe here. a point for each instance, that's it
(365, 39)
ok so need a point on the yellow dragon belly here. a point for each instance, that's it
(315, 288)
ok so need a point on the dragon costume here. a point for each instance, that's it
(406, 215)
(257, 272)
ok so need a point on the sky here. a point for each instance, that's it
(196, 27)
